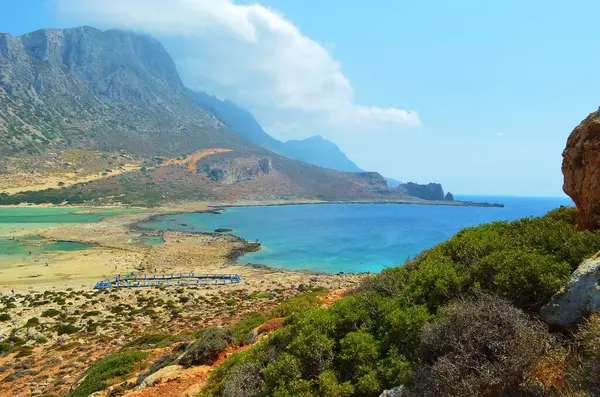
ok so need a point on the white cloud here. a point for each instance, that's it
(252, 55)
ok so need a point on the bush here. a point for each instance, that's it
(63, 329)
(32, 322)
(529, 279)
(156, 340)
(116, 366)
(206, 350)
(246, 381)
(242, 329)
(298, 304)
(50, 313)
(4, 317)
(583, 376)
(479, 347)
(569, 215)
(380, 334)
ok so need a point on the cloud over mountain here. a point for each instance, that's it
(252, 55)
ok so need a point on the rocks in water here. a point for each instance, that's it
(430, 191)
(581, 170)
(579, 297)
(449, 197)
(223, 230)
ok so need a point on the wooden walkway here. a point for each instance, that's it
(167, 280)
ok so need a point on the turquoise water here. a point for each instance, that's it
(22, 246)
(351, 237)
(28, 218)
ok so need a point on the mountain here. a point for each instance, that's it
(320, 151)
(314, 150)
(237, 118)
(103, 116)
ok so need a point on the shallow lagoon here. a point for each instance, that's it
(18, 219)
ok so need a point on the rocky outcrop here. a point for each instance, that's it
(449, 197)
(399, 391)
(581, 170)
(240, 170)
(579, 297)
(374, 180)
(163, 375)
(431, 191)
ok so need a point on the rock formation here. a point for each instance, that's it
(581, 170)
(239, 170)
(449, 197)
(579, 297)
(431, 191)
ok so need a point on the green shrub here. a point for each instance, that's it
(4, 317)
(207, 348)
(565, 214)
(156, 340)
(242, 329)
(396, 328)
(32, 322)
(50, 313)
(297, 304)
(67, 329)
(5, 347)
(116, 366)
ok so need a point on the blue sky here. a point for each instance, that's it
(498, 86)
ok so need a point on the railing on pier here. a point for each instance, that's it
(167, 280)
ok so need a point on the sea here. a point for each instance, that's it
(24, 219)
(351, 238)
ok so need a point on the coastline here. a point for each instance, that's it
(118, 248)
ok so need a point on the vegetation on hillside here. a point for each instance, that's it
(461, 319)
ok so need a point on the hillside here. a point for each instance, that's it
(116, 98)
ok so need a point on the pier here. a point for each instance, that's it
(167, 280)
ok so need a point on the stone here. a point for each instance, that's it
(581, 171)
(62, 339)
(398, 391)
(579, 297)
(449, 197)
(162, 375)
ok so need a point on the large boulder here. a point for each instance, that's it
(399, 391)
(579, 297)
(581, 170)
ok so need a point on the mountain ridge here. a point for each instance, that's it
(117, 96)
(314, 150)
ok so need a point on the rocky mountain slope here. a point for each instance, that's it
(119, 94)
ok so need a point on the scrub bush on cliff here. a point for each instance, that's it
(479, 347)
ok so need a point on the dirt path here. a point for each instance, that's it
(192, 159)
